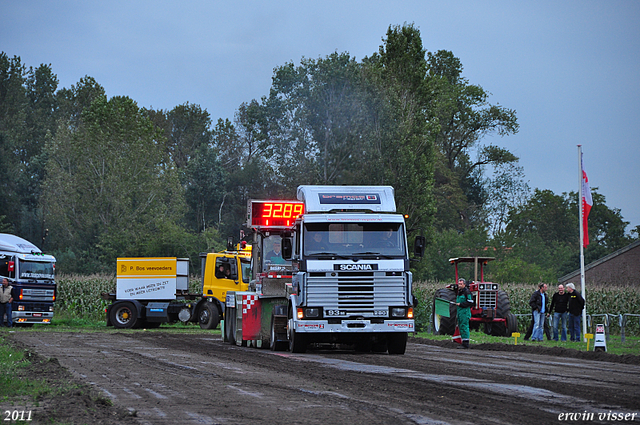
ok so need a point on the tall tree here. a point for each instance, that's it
(13, 116)
(109, 183)
(402, 130)
(464, 116)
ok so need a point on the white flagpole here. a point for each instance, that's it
(582, 280)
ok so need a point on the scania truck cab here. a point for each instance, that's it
(351, 279)
(32, 275)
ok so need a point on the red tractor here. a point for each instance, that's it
(491, 309)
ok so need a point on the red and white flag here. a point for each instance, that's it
(587, 202)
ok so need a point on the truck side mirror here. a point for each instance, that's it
(419, 246)
(287, 248)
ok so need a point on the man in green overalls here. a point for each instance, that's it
(464, 301)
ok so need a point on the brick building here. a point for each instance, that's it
(621, 267)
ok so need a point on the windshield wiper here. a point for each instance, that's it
(325, 254)
(378, 254)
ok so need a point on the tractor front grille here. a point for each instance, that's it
(487, 299)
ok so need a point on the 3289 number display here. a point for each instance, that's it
(275, 213)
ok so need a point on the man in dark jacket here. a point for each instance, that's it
(575, 306)
(559, 308)
(539, 304)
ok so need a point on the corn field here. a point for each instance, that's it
(79, 296)
(601, 299)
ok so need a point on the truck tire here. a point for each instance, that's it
(397, 342)
(379, 345)
(297, 342)
(444, 325)
(124, 315)
(276, 345)
(230, 325)
(208, 316)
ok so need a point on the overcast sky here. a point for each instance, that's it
(570, 69)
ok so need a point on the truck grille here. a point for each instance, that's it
(355, 293)
(487, 299)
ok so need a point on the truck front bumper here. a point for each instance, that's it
(353, 326)
(32, 317)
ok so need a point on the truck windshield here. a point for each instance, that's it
(35, 270)
(245, 263)
(354, 239)
(272, 259)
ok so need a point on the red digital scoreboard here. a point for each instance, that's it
(274, 213)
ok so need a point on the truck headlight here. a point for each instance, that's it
(398, 312)
(20, 308)
(312, 312)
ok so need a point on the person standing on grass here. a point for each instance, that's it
(575, 306)
(6, 298)
(539, 304)
(559, 308)
(464, 301)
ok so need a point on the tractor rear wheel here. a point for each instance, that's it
(503, 310)
(444, 325)
(503, 305)
(512, 324)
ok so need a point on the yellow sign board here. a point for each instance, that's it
(139, 267)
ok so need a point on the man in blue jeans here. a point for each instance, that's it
(559, 308)
(575, 306)
(539, 305)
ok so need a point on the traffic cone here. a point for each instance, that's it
(456, 336)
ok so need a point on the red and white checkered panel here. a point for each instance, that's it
(248, 301)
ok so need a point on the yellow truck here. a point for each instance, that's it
(152, 291)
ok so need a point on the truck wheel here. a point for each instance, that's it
(379, 346)
(276, 345)
(124, 316)
(397, 342)
(444, 325)
(297, 342)
(230, 325)
(208, 316)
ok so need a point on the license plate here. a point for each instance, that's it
(37, 314)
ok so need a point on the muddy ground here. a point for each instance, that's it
(159, 377)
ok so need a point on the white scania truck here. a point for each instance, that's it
(350, 278)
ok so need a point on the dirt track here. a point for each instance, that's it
(168, 378)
